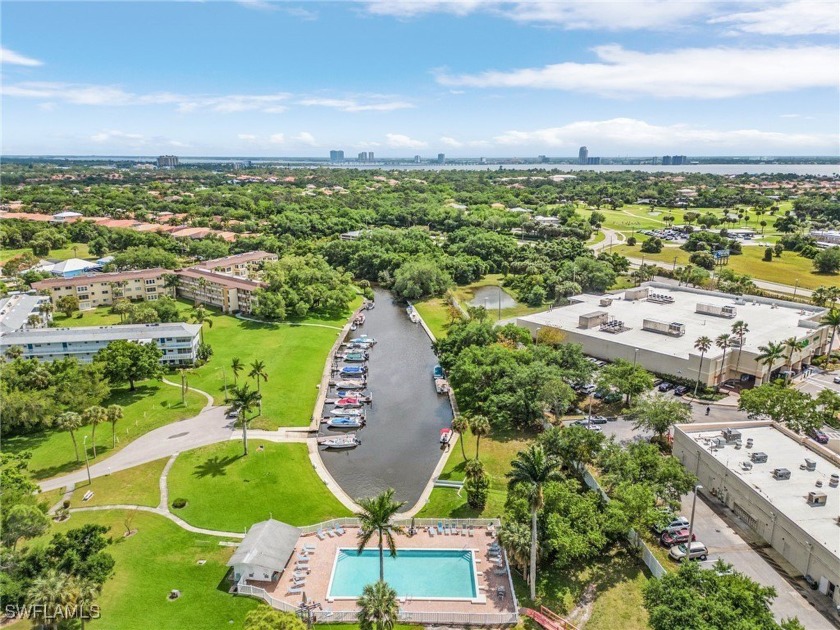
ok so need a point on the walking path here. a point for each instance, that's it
(165, 513)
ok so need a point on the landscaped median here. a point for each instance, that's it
(228, 491)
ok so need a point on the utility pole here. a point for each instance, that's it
(87, 464)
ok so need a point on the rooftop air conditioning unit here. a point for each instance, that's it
(731, 435)
(781, 474)
(758, 457)
(718, 442)
(810, 464)
(817, 498)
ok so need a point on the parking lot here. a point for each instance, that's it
(817, 382)
(718, 528)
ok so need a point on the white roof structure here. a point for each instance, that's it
(72, 265)
(67, 214)
(788, 496)
(142, 333)
(267, 544)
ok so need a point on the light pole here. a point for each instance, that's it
(795, 288)
(500, 303)
(697, 489)
(635, 356)
(87, 464)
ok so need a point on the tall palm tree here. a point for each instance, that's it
(723, 342)
(244, 400)
(831, 319)
(202, 290)
(114, 414)
(768, 355)
(792, 344)
(460, 424)
(170, 281)
(236, 366)
(378, 607)
(819, 296)
(85, 592)
(258, 372)
(200, 316)
(480, 426)
(531, 470)
(70, 421)
(93, 416)
(48, 592)
(516, 539)
(702, 344)
(375, 518)
(740, 329)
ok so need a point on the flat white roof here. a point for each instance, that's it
(788, 496)
(766, 322)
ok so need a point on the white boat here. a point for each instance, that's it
(349, 402)
(441, 386)
(347, 412)
(344, 422)
(363, 339)
(445, 436)
(340, 441)
(352, 384)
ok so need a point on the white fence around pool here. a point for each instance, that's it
(351, 521)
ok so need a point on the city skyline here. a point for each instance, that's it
(464, 78)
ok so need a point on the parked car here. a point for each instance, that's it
(670, 523)
(680, 553)
(676, 537)
(232, 414)
(665, 387)
(681, 390)
(837, 379)
(612, 397)
(588, 389)
(598, 420)
(818, 436)
(657, 382)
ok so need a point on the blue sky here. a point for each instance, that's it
(463, 77)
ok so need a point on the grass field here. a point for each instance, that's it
(158, 558)
(73, 250)
(150, 406)
(786, 269)
(435, 312)
(230, 492)
(135, 486)
(294, 357)
(496, 452)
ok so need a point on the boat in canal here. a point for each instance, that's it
(413, 315)
(445, 436)
(351, 384)
(363, 339)
(355, 357)
(351, 370)
(441, 386)
(438, 372)
(345, 422)
(341, 441)
(349, 402)
(341, 411)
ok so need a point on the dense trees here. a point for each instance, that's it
(127, 361)
(416, 279)
(794, 408)
(828, 260)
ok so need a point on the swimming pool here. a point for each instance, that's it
(417, 573)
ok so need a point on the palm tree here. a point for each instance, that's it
(258, 372)
(516, 539)
(460, 424)
(48, 592)
(244, 400)
(819, 296)
(70, 421)
(170, 281)
(14, 352)
(114, 414)
(45, 309)
(93, 416)
(480, 426)
(768, 355)
(375, 518)
(831, 319)
(740, 329)
(236, 366)
(200, 316)
(792, 344)
(121, 307)
(378, 607)
(85, 591)
(532, 469)
(202, 289)
(723, 342)
(702, 344)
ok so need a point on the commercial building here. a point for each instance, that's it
(228, 293)
(583, 155)
(783, 486)
(167, 161)
(102, 289)
(363, 156)
(23, 311)
(178, 341)
(336, 156)
(239, 265)
(826, 238)
(441, 158)
(593, 161)
(658, 324)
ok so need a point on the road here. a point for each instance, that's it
(726, 537)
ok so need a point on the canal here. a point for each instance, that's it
(400, 442)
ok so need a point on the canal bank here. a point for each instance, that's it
(399, 445)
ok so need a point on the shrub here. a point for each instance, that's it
(652, 246)
(179, 503)
(702, 259)
(768, 254)
(631, 241)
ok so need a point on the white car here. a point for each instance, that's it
(675, 524)
(681, 552)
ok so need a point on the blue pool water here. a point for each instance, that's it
(421, 573)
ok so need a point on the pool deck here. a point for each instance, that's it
(321, 563)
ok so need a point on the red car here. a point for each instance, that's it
(679, 537)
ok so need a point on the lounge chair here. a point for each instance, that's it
(339, 530)
(331, 533)
(295, 590)
(310, 548)
(432, 532)
(320, 534)
(464, 531)
(302, 557)
(440, 528)
(472, 532)
(299, 581)
(454, 529)
(501, 592)
(500, 571)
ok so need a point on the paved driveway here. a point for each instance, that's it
(719, 528)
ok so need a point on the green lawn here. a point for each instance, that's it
(73, 250)
(496, 452)
(158, 558)
(134, 486)
(230, 492)
(294, 357)
(617, 579)
(150, 406)
(435, 312)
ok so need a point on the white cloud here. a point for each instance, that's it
(400, 141)
(353, 105)
(687, 73)
(277, 138)
(304, 137)
(12, 58)
(247, 137)
(800, 17)
(451, 142)
(642, 136)
(116, 137)
(413, 8)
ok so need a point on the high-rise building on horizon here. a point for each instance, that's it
(336, 155)
(542, 159)
(370, 156)
(583, 155)
(167, 161)
(417, 159)
(363, 156)
(441, 158)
